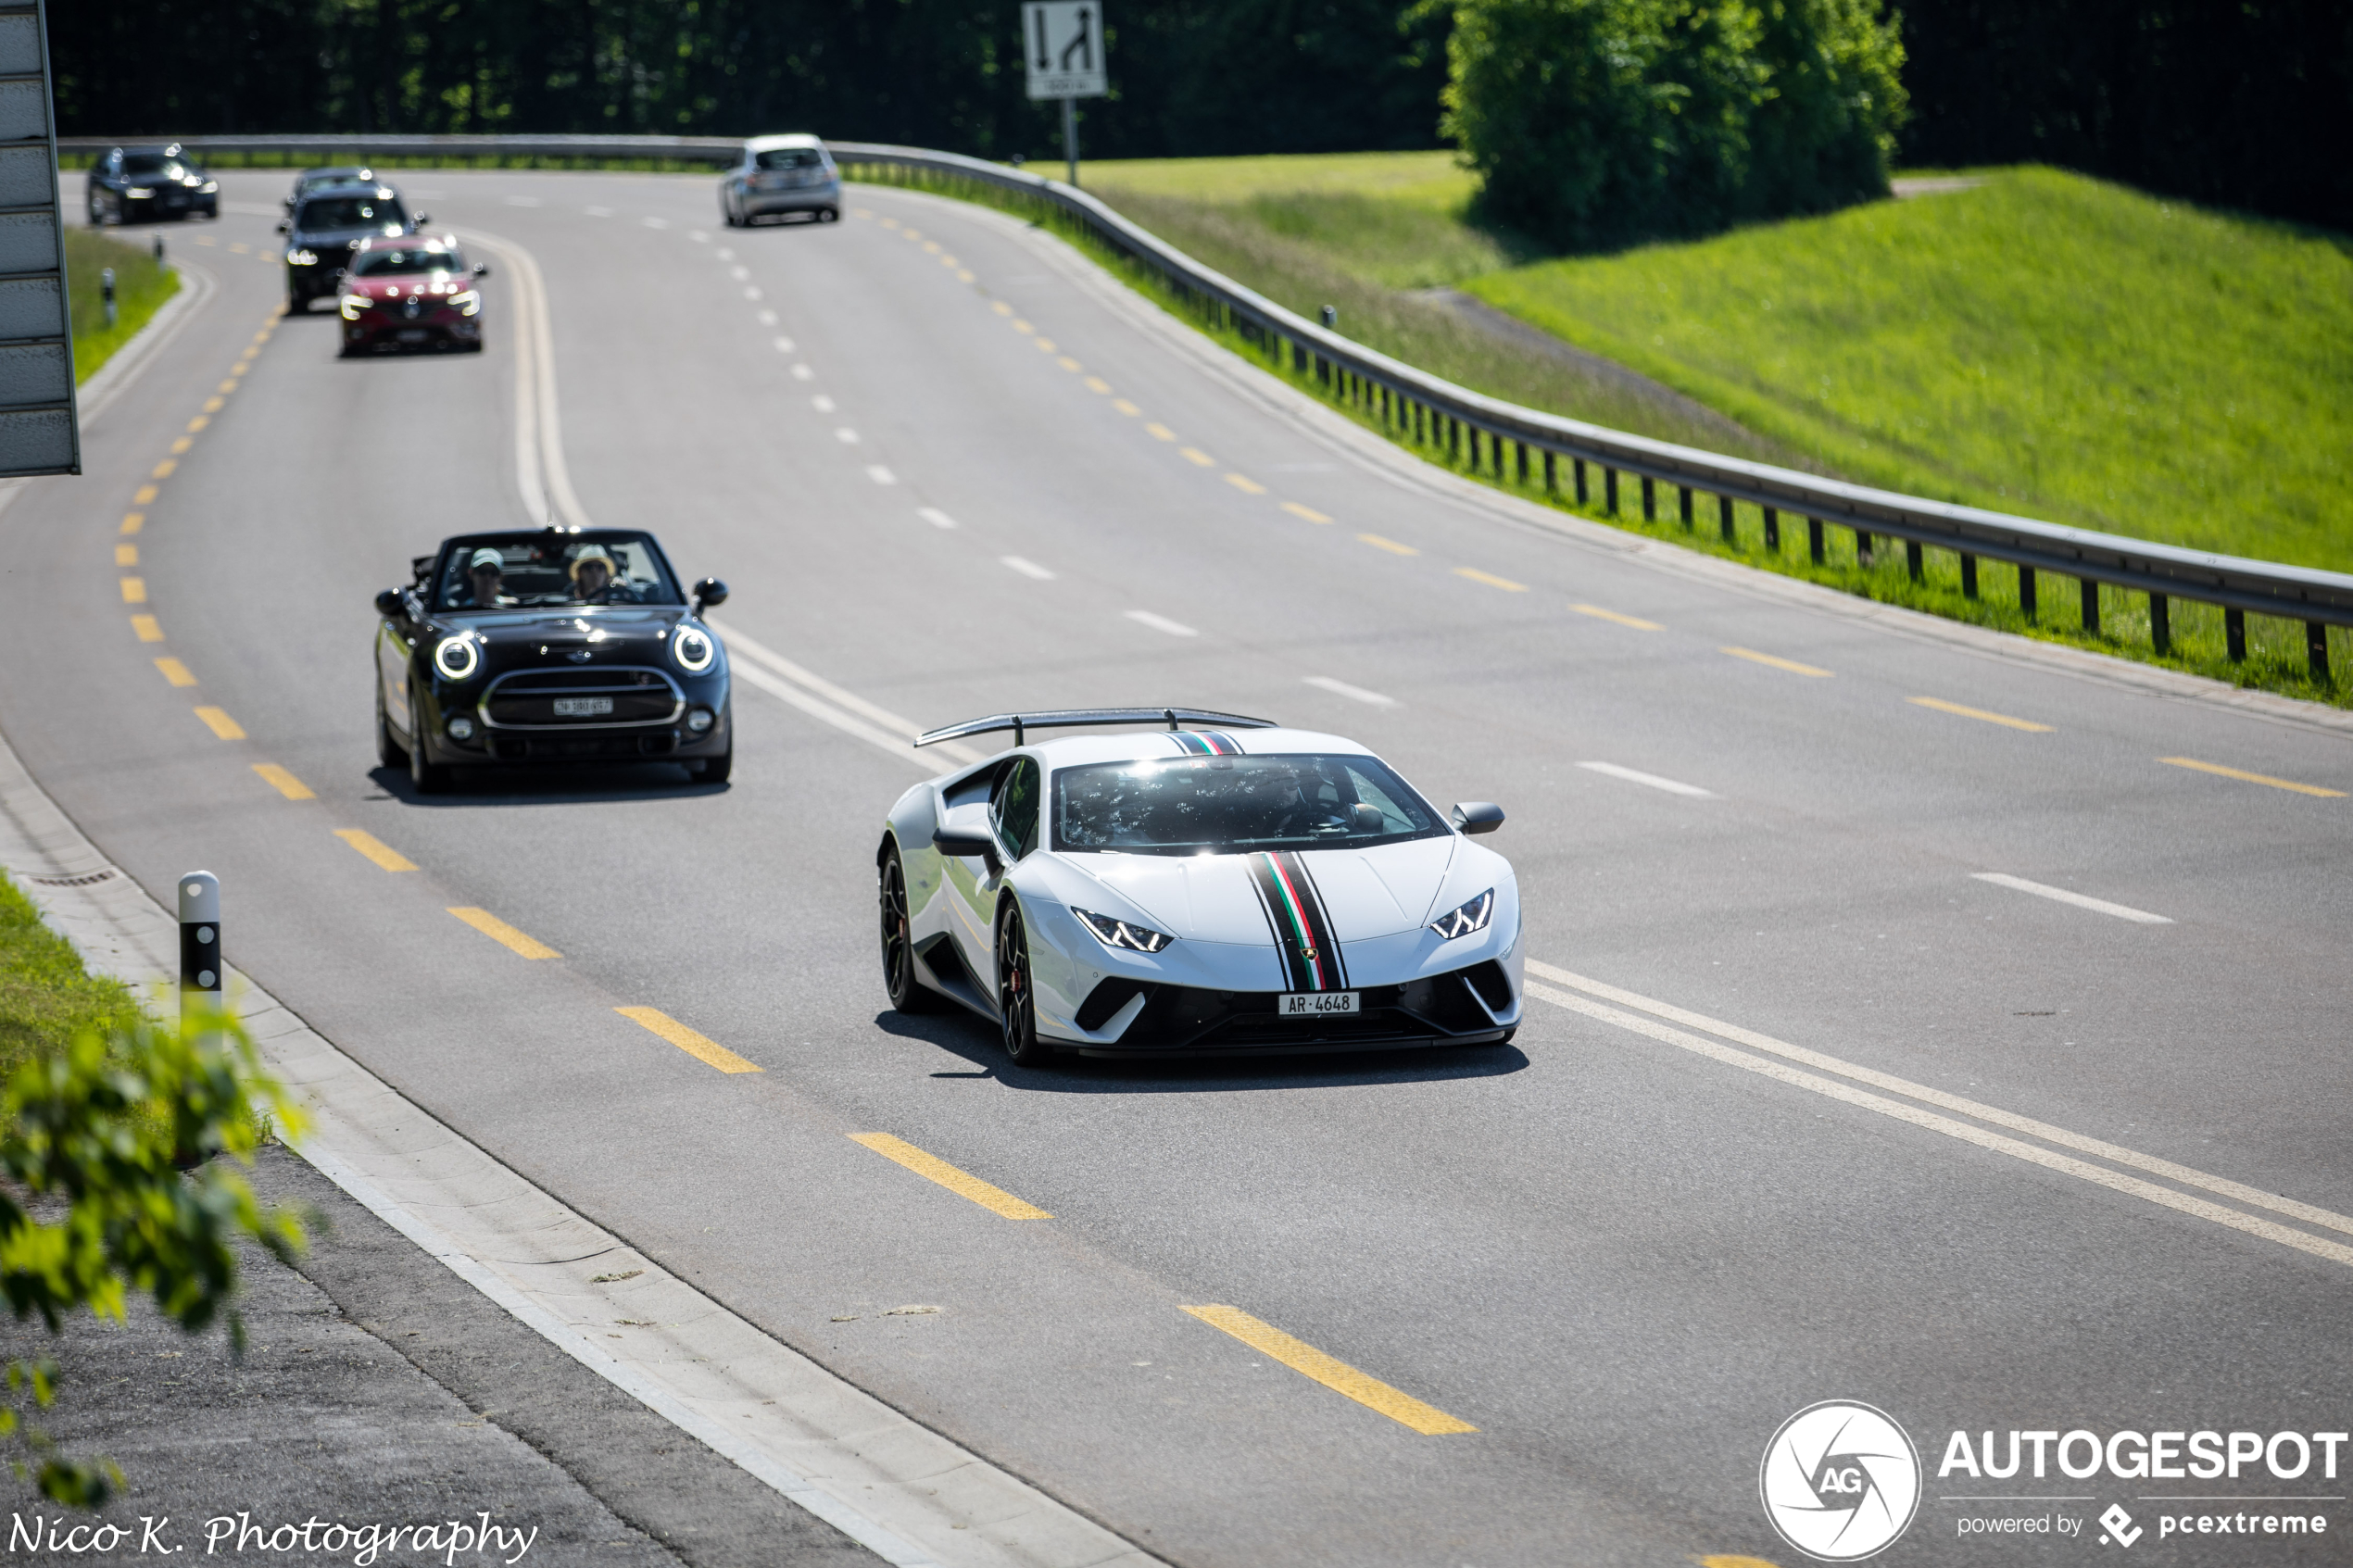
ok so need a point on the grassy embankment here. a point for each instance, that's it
(142, 285)
(2043, 344)
(46, 997)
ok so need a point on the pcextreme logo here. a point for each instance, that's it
(1840, 1480)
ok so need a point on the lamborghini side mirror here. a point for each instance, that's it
(1478, 816)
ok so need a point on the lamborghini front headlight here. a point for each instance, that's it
(1124, 935)
(1467, 920)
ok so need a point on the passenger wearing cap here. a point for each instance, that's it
(594, 580)
(488, 570)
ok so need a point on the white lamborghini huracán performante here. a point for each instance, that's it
(1232, 889)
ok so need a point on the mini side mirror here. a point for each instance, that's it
(710, 592)
(1478, 816)
(285, 228)
(388, 603)
(421, 221)
(482, 268)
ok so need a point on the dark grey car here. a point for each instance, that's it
(326, 225)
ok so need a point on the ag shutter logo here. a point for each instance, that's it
(1840, 1480)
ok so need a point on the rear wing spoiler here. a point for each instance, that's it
(1074, 717)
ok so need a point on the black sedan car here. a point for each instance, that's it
(325, 226)
(561, 646)
(310, 180)
(131, 184)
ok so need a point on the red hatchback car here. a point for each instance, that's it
(409, 291)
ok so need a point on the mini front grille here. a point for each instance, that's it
(529, 699)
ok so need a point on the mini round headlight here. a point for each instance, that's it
(461, 728)
(457, 659)
(693, 649)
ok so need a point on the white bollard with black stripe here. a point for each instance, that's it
(199, 943)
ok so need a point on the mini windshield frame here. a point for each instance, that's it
(556, 570)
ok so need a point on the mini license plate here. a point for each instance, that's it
(581, 707)
(418, 334)
(1314, 1004)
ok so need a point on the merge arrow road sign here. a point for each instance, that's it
(1063, 48)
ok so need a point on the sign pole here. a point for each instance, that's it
(1062, 58)
(1070, 136)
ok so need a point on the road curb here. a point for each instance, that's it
(905, 1492)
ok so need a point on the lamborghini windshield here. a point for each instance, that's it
(1197, 805)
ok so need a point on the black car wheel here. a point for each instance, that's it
(907, 994)
(425, 778)
(1016, 1006)
(388, 751)
(829, 215)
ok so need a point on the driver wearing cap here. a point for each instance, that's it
(487, 569)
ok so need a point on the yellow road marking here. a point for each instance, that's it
(498, 931)
(240, 368)
(1310, 513)
(376, 849)
(182, 444)
(198, 423)
(147, 628)
(135, 590)
(1045, 344)
(1391, 545)
(914, 233)
(965, 276)
(999, 307)
(1159, 432)
(686, 1040)
(950, 261)
(1491, 580)
(226, 386)
(1246, 485)
(1097, 385)
(947, 1175)
(1635, 621)
(1198, 458)
(133, 521)
(932, 245)
(213, 405)
(175, 673)
(146, 494)
(220, 723)
(239, 246)
(1022, 326)
(1943, 707)
(162, 470)
(1067, 363)
(285, 783)
(1126, 408)
(2252, 778)
(126, 555)
(1788, 664)
(1332, 1373)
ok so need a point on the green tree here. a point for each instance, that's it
(1601, 123)
(109, 1148)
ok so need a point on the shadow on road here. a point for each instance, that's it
(975, 1042)
(577, 784)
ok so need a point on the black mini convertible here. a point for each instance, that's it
(561, 646)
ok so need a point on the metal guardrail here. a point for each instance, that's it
(1424, 407)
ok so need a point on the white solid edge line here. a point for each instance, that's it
(934, 516)
(1630, 776)
(1027, 568)
(1354, 694)
(714, 1434)
(880, 720)
(1161, 623)
(2081, 901)
(2114, 1181)
(2237, 1192)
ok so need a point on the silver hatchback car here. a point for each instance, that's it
(779, 176)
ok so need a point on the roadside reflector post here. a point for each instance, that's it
(106, 293)
(199, 947)
(2316, 649)
(2090, 607)
(2160, 623)
(1968, 588)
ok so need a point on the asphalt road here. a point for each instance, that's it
(1625, 1263)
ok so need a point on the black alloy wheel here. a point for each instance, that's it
(907, 994)
(425, 778)
(388, 751)
(1016, 1006)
